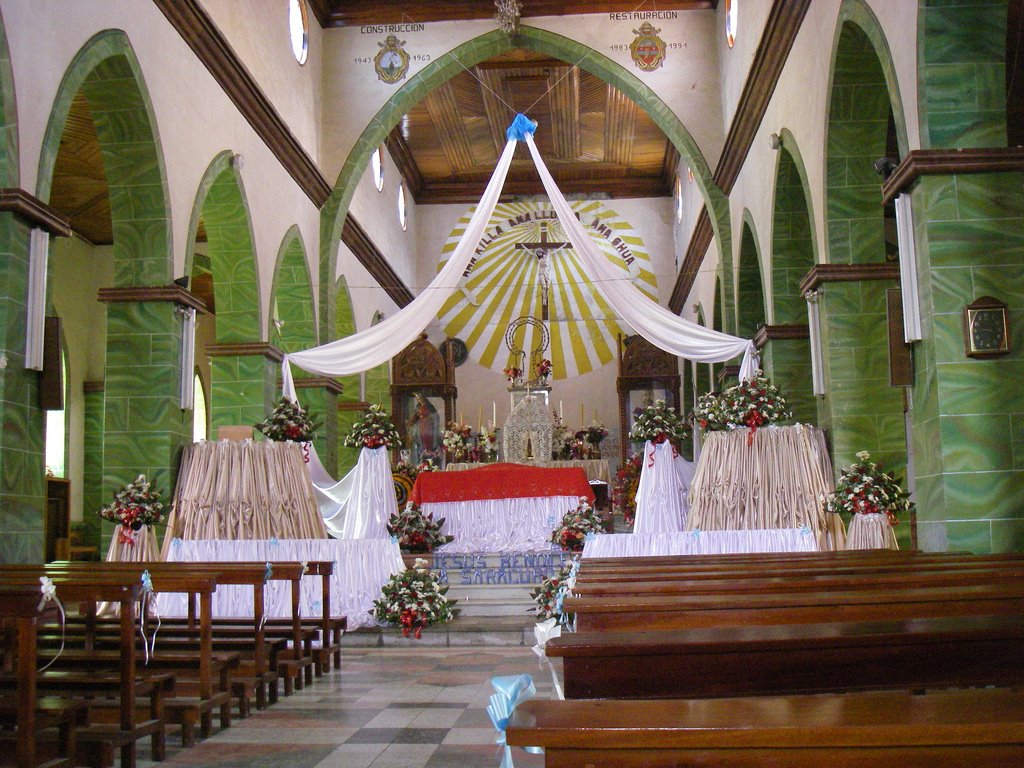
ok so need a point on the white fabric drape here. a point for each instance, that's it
(660, 495)
(361, 568)
(378, 344)
(648, 318)
(501, 525)
(658, 325)
(360, 504)
(700, 543)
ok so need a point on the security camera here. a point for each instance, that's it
(884, 166)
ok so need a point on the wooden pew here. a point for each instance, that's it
(982, 727)
(124, 592)
(910, 654)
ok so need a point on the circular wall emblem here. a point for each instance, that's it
(459, 350)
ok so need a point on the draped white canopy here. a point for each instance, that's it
(380, 343)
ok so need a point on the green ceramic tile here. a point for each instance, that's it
(975, 442)
(969, 536)
(1008, 535)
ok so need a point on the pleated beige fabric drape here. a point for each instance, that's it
(871, 532)
(244, 490)
(780, 480)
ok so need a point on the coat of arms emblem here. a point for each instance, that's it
(391, 62)
(647, 49)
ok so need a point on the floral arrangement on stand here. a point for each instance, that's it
(751, 404)
(578, 445)
(659, 422)
(513, 374)
(134, 506)
(543, 370)
(864, 489)
(593, 435)
(417, 533)
(374, 430)
(487, 443)
(414, 600)
(627, 480)
(576, 524)
(561, 438)
(288, 422)
(404, 475)
(547, 595)
(456, 440)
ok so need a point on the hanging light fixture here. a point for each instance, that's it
(507, 13)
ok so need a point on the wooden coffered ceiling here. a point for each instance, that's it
(593, 138)
(347, 13)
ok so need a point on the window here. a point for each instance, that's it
(678, 194)
(298, 28)
(731, 13)
(198, 411)
(56, 429)
(377, 164)
(403, 219)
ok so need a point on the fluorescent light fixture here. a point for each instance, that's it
(38, 257)
(908, 268)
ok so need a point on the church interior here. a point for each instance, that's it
(211, 210)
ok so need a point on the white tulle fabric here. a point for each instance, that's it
(658, 325)
(661, 493)
(501, 525)
(360, 504)
(361, 568)
(700, 543)
(381, 342)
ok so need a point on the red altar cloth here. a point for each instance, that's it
(501, 481)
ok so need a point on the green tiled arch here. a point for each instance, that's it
(220, 202)
(291, 297)
(467, 55)
(750, 303)
(9, 171)
(107, 73)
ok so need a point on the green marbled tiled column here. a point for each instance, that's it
(144, 426)
(969, 414)
(750, 310)
(787, 362)
(860, 411)
(243, 389)
(22, 488)
(321, 403)
(347, 457)
(92, 464)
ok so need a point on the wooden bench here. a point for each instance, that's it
(910, 654)
(856, 730)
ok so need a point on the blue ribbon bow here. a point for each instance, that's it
(147, 582)
(270, 571)
(509, 692)
(176, 542)
(273, 541)
(521, 127)
(805, 531)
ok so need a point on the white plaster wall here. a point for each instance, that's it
(79, 270)
(736, 61)
(258, 32)
(194, 118)
(800, 104)
(367, 296)
(688, 82)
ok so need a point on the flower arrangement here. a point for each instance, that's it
(864, 489)
(414, 600)
(546, 594)
(543, 369)
(561, 438)
(513, 374)
(575, 525)
(288, 422)
(749, 404)
(578, 446)
(404, 475)
(658, 422)
(374, 430)
(627, 480)
(487, 443)
(417, 533)
(456, 441)
(134, 506)
(595, 433)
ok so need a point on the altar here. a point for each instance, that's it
(595, 469)
(501, 507)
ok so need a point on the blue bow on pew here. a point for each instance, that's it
(510, 692)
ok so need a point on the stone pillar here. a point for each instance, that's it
(786, 360)
(144, 425)
(92, 464)
(22, 422)
(243, 386)
(319, 397)
(349, 413)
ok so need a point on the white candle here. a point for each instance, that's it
(560, 414)
(494, 413)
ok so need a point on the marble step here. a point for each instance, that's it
(464, 631)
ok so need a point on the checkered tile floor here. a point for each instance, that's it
(387, 707)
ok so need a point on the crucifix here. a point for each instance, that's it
(541, 249)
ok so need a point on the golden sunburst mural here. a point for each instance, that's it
(523, 255)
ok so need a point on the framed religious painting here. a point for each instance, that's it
(422, 399)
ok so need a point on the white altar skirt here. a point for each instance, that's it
(501, 525)
(361, 568)
(661, 505)
(701, 543)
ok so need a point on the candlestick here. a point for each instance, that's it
(582, 417)
(494, 412)
(480, 418)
